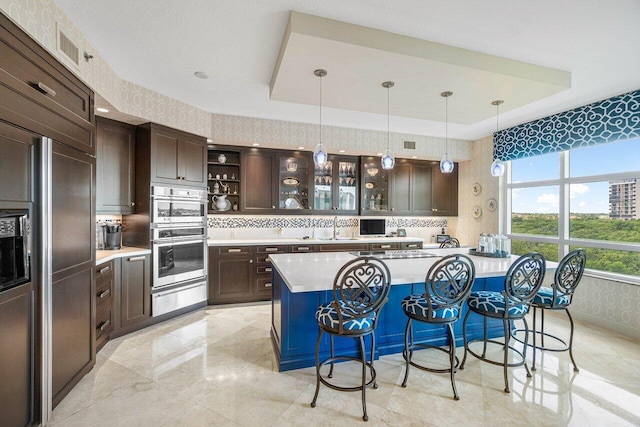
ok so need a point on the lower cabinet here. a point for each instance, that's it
(123, 295)
(17, 384)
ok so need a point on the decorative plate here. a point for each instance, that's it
(291, 181)
(291, 203)
(477, 211)
(369, 185)
(492, 205)
(477, 189)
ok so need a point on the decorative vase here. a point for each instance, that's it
(222, 158)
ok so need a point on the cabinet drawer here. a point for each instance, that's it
(411, 245)
(270, 249)
(384, 246)
(104, 288)
(263, 285)
(344, 247)
(104, 269)
(104, 320)
(267, 269)
(42, 80)
(304, 248)
(234, 250)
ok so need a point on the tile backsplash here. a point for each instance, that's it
(263, 226)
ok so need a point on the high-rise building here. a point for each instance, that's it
(622, 199)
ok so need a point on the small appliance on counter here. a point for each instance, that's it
(113, 236)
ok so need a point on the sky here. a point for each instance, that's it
(591, 197)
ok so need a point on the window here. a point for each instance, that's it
(586, 197)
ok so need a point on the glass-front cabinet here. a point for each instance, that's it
(375, 190)
(293, 182)
(335, 185)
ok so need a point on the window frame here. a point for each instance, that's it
(563, 240)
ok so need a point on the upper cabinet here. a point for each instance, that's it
(293, 181)
(444, 191)
(224, 180)
(335, 185)
(375, 187)
(258, 186)
(177, 157)
(115, 167)
(40, 94)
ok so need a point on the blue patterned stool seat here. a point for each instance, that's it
(544, 297)
(327, 315)
(493, 303)
(417, 305)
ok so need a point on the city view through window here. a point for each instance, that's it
(586, 197)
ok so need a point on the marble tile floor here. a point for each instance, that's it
(215, 367)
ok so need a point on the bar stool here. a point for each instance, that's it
(521, 283)
(450, 243)
(360, 290)
(447, 287)
(558, 297)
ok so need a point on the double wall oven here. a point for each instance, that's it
(179, 247)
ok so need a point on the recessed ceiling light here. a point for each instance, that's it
(300, 148)
(201, 75)
(255, 144)
(414, 157)
(209, 140)
(102, 110)
(378, 154)
(341, 151)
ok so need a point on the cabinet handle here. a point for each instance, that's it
(105, 325)
(267, 285)
(104, 269)
(132, 204)
(136, 258)
(250, 261)
(385, 246)
(45, 89)
(271, 249)
(233, 251)
(393, 209)
(268, 269)
(303, 248)
(273, 207)
(104, 294)
(412, 246)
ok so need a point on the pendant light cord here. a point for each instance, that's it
(320, 109)
(497, 115)
(388, 117)
(446, 125)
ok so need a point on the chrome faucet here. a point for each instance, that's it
(335, 223)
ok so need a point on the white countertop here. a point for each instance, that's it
(105, 256)
(310, 272)
(316, 241)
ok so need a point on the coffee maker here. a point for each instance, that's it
(109, 235)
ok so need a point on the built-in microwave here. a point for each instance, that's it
(178, 206)
(15, 248)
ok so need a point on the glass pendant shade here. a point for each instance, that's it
(320, 156)
(388, 161)
(497, 168)
(446, 164)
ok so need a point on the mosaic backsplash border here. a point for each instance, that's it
(318, 222)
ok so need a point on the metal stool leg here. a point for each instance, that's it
(533, 367)
(315, 396)
(526, 343)
(507, 335)
(575, 367)
(485, 338)
(464, 338)
(408, 350)
(331, 367)
(452, 360)
(365, 417)
(373, 349)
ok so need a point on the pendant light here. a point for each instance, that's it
(388, 161)
(446, 164)
(497, 167)
(320, 156)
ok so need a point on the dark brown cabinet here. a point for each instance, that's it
(335, 186)
(230, 274)
(401, 194)
(17, 358)
(258, 183)
(176, 157)
(263, 269)
(375, 187)
(115, 167)
(444, 192)
(224, 180)
(16, 160)
(135, 289)
(72, 251)
(422, 188)
(105, 285)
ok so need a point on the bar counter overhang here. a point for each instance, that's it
(301, 282)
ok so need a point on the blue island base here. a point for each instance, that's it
(294, 329)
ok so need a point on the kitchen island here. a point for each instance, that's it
(301, 282)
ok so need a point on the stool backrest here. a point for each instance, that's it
(569, 273)
(362, 286)
(450, 243)
(524, 278)
(448, 283)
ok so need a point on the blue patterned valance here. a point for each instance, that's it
(612, 119)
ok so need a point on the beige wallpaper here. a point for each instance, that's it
(237, 130)
(41, 18)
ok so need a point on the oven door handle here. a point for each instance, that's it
(169, 242)
(176, 290)
(192, 239)
(180, 199)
